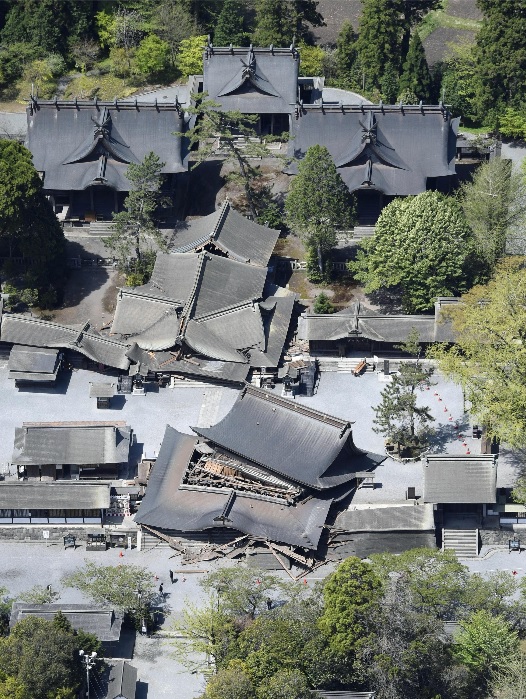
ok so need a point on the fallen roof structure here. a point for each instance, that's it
(271, 469)
(71, 443)
(34, 332)
(206, 305)
(228, 233)
(105, 624)
(33, 364)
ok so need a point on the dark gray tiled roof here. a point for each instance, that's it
(73, 443)
(394, 328)
(289, 439)
(231, 233)
(101, 390)
(207, 370)
(40, 360)
(167, 506)
(388, 148)
(259, 81)
(392, 518)
(68, 141)
(122, 681)
(105, 624)
(460, 479)
(23, 330)
(276, 321)
(54, 496)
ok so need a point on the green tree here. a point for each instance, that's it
(494, 203)
(378, 39)
(415, 75)
(215, 130)
(389, 84)
(242, 592)
(152, 57)
(405, 656)
(322, 304)
(28, 226)
(511, 123)
(485, 645)
(501, 58)
(509, 682)
(5, 611)
(11, 688)
(318, 202)
(436, 579)
(135, 229)
(230, 27)
(422, 247)
(488, 357)
(345, 51)
(189, 58)
(230, 683)
(350, 594)
(311, 62)
(411, 14)
(460, 83)
(39, 595)
(274, 24)
(42, 657)
(399, 416)
(285, 684)
(172, 21)
(204, 630)
(117, 586)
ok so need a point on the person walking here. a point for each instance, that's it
(161, 590)
(172, 577)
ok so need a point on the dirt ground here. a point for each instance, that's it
(91, 294)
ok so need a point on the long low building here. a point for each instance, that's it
(271, 468)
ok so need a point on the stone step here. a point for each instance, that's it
(464, 542)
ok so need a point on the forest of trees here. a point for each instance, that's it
(110, 49)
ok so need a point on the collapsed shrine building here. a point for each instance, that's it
(271, 469)
(208, 312)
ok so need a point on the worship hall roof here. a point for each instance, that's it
(252, 80)
(76, 144)
(390, 148)
(289, 439)
(230, 233)
(170, 504)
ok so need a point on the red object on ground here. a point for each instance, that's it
(514, 572)
(439, 398)
(445, 410)
(468, 452)
(121, 555)
(450, 418)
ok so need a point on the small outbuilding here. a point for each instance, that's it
(34, 365)
(122, 681)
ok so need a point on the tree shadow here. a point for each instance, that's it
(445, 434)
(389, 301)
(82, 283)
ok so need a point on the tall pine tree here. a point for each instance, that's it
(379, 39)
(230, 24)
(274, 23)
(416, 77)
(345, 51)
(319, 202)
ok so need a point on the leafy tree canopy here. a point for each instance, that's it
(189, 58)
(485, 645)
(114, 585)
(350, 594)
(41, 656)
(378, 40)
(152, 56)
(135, 229)
(318, 202)
(494, 203)
(231, 682)
(230, 27)
(488, 357)
(422, 246)
(416, 76)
